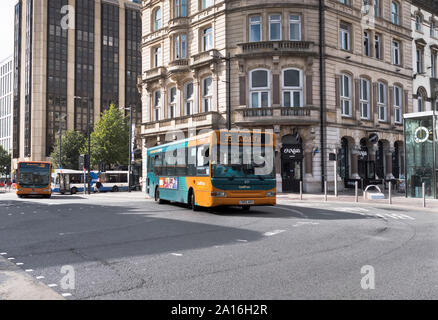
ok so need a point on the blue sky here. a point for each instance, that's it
(7, 28)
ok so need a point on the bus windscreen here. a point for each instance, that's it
(32, 175)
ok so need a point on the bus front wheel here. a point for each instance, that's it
(115, 189)
(193, 205)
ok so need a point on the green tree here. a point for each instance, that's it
(71, 144)
(5, 162)
(110, 139)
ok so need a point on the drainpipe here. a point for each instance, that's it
(321, 90)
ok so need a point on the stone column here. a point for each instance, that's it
(354, 165)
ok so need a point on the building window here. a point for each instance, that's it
(207, 93)
(420, 102)
(346, 95)
(377, 46)
(377, 8)
(207, 39)
(396, 52)
(255, 28)
(295, 28)
(381, 101)
(206, 3)
(180, 46)
(275, 27)
(418, 23)
(397, 104)
(419, 60)
(172, 102)
(259, 88)
(292, 88)
(433, 58)
(188, 98)
(157, 57)
(180, 8)
(344, 36)
(366, 43)
(366, 6)
(346, 2)
(364, 99)
(432, 29)
(395, 12)
(157, 105)
(157, 19)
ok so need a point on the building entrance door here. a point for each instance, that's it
(291, 167)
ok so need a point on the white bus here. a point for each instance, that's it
(71, 181)
(114, 181)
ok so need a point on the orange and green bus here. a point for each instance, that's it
(219, 168)
(34, 179)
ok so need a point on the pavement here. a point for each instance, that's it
(126, 246)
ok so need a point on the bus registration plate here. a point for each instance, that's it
(246, 202)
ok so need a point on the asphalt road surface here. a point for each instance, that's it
(122, 246)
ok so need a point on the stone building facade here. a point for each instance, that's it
(282, 76)
(69, 54)
(6, 90)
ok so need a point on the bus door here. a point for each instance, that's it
(64, 183)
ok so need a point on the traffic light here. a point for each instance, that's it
(84, 162)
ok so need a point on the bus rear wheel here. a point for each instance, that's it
(157, 196)
(115, 189)
(74, 190)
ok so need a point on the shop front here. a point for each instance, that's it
(421, 154)
(291, 165)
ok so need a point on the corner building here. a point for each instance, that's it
(282, 77)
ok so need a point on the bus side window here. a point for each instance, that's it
(203, 160)
(191, 162)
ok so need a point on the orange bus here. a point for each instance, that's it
(219, 168)
(34, 179)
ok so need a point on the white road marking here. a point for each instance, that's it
(29, 270)
(66, 294)
(11, 258)
(10, 214)
(3, 253)
(298, 224)
(294, 211)
(40, 277)
(241, 240)
(273, 233)
(52, 285)
(177, 254)
(19, 263)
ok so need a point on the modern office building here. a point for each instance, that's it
(68, 54)
(6, 89)
(328, 77)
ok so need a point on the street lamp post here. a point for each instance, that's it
(89, 141)
(60, 118)
(130, 148)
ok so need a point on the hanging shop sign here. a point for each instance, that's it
(292, 152)
(373, 138)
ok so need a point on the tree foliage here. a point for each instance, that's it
(110, 139)
(71, 145)
(5, 162)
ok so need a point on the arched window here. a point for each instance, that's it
(382, 99)
(418, 22)
(346, 95)
(364, 98)
(157, 105)
(157, 19)
(292, 88)
(259, 87)
(420, 101)
(180, 46)
(398, 104)
(395, 12)
(172, 102)
(188, 98)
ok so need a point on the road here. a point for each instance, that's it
(123, 246)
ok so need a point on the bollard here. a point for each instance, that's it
(301, 190)
(390, 192)
(325, 190)
(424, 195)
(356, 192)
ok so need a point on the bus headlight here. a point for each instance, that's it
(218, 194)
(270, 194)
